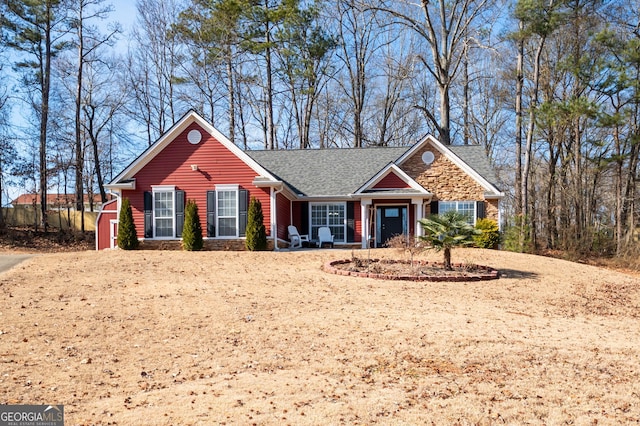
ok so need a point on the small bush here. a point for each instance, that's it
(408, 244)
(489, 236)
(256, 232)
(192, 230)
(127, 235)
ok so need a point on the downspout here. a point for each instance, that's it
(274, 212)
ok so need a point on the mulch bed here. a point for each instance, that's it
(403, 270)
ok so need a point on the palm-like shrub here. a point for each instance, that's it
(127, 235)
(256, 232)
(192, 230)
(489, 236)
(446, 231)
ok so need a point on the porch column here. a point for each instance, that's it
(366, 226)
(418, 203)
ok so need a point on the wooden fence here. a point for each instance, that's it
(63, 219)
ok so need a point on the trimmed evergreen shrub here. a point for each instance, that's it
(192, 230)
(489, 236)
(256, 232)
(127, 235)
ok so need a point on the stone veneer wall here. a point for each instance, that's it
(446, 180)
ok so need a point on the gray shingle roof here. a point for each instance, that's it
(340, 172)
(476, 157)
(326, 172)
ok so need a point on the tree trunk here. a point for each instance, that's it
(232, 98)
(270, 129)
(518, 129)
(447, 259)
(44, 119)
(529, 143)
(79, 166)
(465, 106)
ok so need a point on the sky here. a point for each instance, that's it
(125, 13)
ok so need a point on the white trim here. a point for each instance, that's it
(228, 188)
(344, 222)
(112, 237)
(170, 135)
(419, 212)
(455, 160)
(273, 200)
(131, 184)
(163, 189)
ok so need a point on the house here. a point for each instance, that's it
(364, 195)
(58, 201)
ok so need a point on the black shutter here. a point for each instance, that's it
(480, 210)
(211, 214)
(304, 218)
(351, 222)
(244, 206)
(434, 207)
(148, 214)
(179, 213)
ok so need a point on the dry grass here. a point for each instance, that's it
(161, 338)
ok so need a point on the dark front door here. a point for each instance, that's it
(391, 222)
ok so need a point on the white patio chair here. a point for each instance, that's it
(324, 236)
(295, 237)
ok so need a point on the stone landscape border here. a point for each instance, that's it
(487, 273)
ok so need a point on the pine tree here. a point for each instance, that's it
(192, 230)
(127, 235)
(256, 232)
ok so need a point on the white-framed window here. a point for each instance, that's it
(227, 210)
(332, 215)
(466, 208)
(164, 209)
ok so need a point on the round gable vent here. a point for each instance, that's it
(428, 157)
(194, 137)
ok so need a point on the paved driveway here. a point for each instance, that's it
(8, 261)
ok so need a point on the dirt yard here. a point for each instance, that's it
(175, 338)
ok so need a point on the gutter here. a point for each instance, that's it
(274, 212)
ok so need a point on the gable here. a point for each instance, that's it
(182, 163)
(173, 150)
(391, 181)
(452, 172)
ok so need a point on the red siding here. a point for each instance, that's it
(391, 181)
(357, 216)
(108, 212)
(216, 165)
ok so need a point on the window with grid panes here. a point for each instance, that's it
(330, 215)
(227, 213)
(466, 208)
(163, 211)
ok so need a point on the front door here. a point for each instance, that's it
(392, 221)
